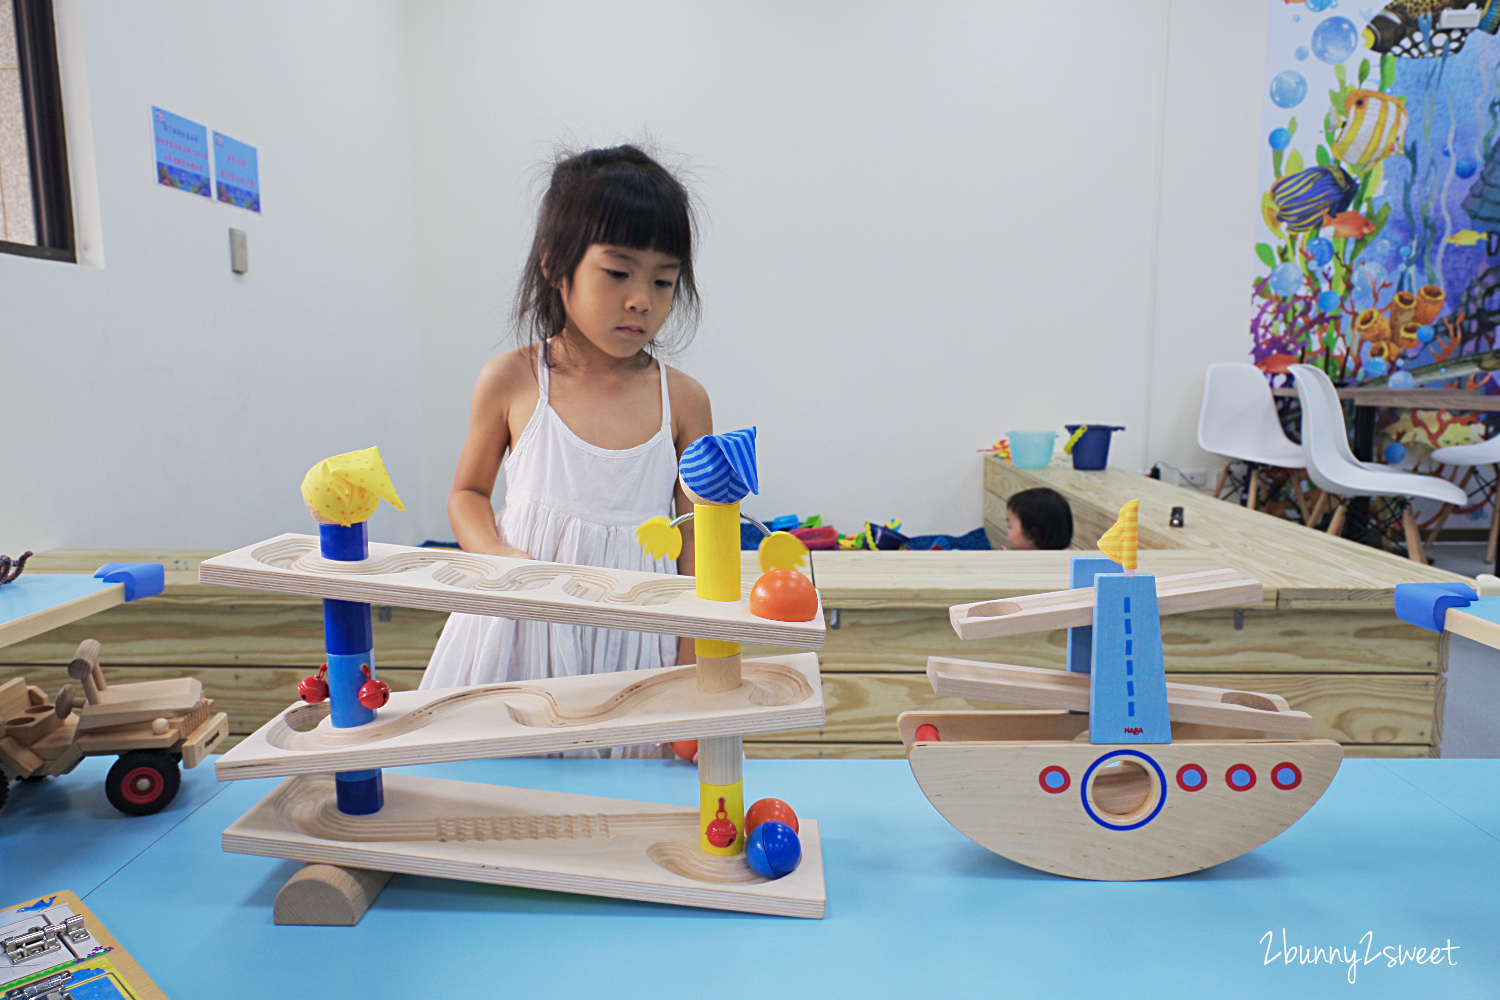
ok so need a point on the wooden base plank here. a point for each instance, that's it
(454, 581)
(1122, 813)
(328, 896)
(524, 837)
(546, 716)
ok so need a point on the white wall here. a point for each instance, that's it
(163, 400)
(925, 225)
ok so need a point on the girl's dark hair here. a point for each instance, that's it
(1045, 517)
(618, 196)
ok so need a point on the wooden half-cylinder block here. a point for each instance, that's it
(1042, 687)
(1221, 588)
(328, 895)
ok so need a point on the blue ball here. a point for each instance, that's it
(1321, 249)
(1424, 333)
(1328, 301)
(1395, 453)
(1279, 139)
(1288, 88)
(1334, 40)
(1466, 167)
(773, 849)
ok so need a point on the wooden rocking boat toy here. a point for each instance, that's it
(1120, 775)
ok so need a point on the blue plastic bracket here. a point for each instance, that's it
(140, 579)
(1426, 604)
(1081, 573)
(1128, 686)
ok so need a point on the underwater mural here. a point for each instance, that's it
(1378, 243)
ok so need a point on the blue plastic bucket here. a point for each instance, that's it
(1031, 449)
(1092, 450)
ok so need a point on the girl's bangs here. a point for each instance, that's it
(628, 210)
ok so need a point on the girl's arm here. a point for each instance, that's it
(503, 382)
(691, 419)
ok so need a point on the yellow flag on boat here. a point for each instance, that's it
(1119, 542)
(346, 489)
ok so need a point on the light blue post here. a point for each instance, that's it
(1128, 686)
(1081, 573)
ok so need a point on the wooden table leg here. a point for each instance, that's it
(1413, 536)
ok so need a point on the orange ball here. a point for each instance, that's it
(686, 749)
(784, 595)
(769, 809)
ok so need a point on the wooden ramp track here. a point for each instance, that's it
(524, 837)
(448, 580)
(534, 717)
(1224, 588)
(1044, 688)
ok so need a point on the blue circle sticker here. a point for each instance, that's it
(1240, 777)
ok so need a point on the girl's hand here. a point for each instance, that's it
(501, 549)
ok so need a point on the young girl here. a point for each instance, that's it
(1038, 519)
(594, 422)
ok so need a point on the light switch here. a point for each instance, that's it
(239, 251)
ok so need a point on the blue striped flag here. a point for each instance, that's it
(720, 468)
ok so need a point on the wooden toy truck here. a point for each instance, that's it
(152, 725)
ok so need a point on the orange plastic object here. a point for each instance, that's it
(769, 809)
(784, 595)
(927, 733)
(686, 749)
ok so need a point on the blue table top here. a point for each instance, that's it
(34, 592)
(1406, 851)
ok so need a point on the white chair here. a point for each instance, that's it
(1334, 469)
(1483, 453)
(1238, 420)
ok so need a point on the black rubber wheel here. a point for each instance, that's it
(142, 782)
(4, 788)
(34, 779)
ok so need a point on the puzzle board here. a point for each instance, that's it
(449, 580)
(94, 967)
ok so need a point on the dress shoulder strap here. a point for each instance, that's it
(666, 399)
(543, 374)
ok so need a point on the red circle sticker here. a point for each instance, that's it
(1286, 775)
(1240, 777)
(142, 785)
(1191, 778)
(1054, 779)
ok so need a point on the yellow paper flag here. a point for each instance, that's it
(1119, 542)
(658, 538)
(346, 489)
(781, 550)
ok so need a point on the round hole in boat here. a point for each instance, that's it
(1121, 790)
(1286, 775)
(1240, 777)
(1054, 779)
(19, 720)
(1191, 778)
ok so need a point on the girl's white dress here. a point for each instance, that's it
(568, 501)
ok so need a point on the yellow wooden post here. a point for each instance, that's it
(721, 796)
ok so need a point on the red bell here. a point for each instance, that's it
(373, 693)
(314, 689)
(721, 832)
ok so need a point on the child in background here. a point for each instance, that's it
(593, 421)
(1038, 519)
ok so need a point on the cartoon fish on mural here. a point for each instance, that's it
(1425, 29)
(1276, 364)
(1374, 127)
(1303, 199)
(1465, 238)
(1350, 225)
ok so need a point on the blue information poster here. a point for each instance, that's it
(237, 172)
(181, 152)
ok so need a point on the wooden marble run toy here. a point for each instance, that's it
(1120, 776)
(337, 808)
(154, 726)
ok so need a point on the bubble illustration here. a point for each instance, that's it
(1466, 167)
(1328, 301)
(1279, 139)
(1286, 279)
(1375, 367)
(1395, 452)
(1288, 89)
(1321, 250)
(1301, 52)
(1402, 380)
(1319, 5)
(1334, 40)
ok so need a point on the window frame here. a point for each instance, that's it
(46, 136)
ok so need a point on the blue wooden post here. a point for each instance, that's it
(1081, 573)
(1128, 686)
(350, 641)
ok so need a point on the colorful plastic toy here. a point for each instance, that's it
(784, 595)
(773, 849)
(770, 809)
